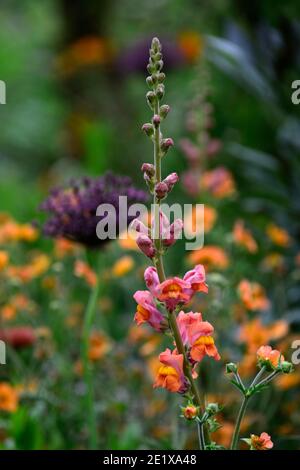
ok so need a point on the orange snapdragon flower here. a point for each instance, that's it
(211, 256)
(123, 266)
(243, 237)
(253, 295)
(8, 398)
(170, 374)
(278, 235)
(11, 231)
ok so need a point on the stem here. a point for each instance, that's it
(258, 376)
(238, 423)
(87, 368)
(201, 436)
(269, 378)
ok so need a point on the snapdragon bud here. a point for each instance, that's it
(166, 144)
(156, 120)
(161, 190)
(212, 409)
(148, 129)
(151, 97)
(171, 180)
(148, 168)
(160, 91)
(164, 110)
(146, 245)
(286, 367)
(231, 368)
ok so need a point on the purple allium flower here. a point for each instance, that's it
(72, 208)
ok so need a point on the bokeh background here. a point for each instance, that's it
(75, 77)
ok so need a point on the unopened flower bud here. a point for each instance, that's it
(155, 45)
(161, 77)
(173, 233)
(171, 180)
(159, 65)
(148, 129)
(160, 91)
(231, 368)
(212, 409)
(286, 367)
(190, 412)
(161, 190)
(148, 168)
(156, 120)
(149, 81)
(166, 144)
(164, 110)
(146, 245)
(151, 98)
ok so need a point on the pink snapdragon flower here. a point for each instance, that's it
(196, 277)
(147, 311)
(174, 291)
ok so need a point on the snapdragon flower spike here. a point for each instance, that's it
(197, 336)
(147, 311)
(170, 375)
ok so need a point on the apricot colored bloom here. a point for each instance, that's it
(219, 182)
(123, 266)
(191, 44)
(174, 291)
(212, 257)
(99, 345)
(8, 398)
(146, 310)
(83, 270)
(11, 231)
(269, 357)
(200, 220)
(190, 412)
(64, 247)
(287, 381)
(253, 295)
(170, 375)
(197, 336)
(243, 237)
(3, 259)
(278, 235)
(254, 333)
(262, 442)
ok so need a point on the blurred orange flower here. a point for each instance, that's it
(8, 398)
(191, 44)
(83, 270)
(64, 247)
(278, 235)
(4, 258)
(99, 346)
(254, 333)
(123, 266)
(219, 182)
(210, 216)
(243, 237)
(253, 295)
(287, 381)
(11, 231)
(211, 256)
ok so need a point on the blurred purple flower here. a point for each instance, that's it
(73, 208)
(135, 57)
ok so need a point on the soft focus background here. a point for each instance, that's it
(75, 76)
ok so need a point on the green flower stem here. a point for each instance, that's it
(201, 437)
(258, 376)
(241, 414)
(87, 367)
(269, 378)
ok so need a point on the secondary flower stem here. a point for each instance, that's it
(238, 423)
(87, 369)
(269, 378)
(258, 376)
(201, 436)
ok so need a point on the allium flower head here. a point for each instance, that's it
(73, 208)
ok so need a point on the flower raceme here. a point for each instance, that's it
(170, 375)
